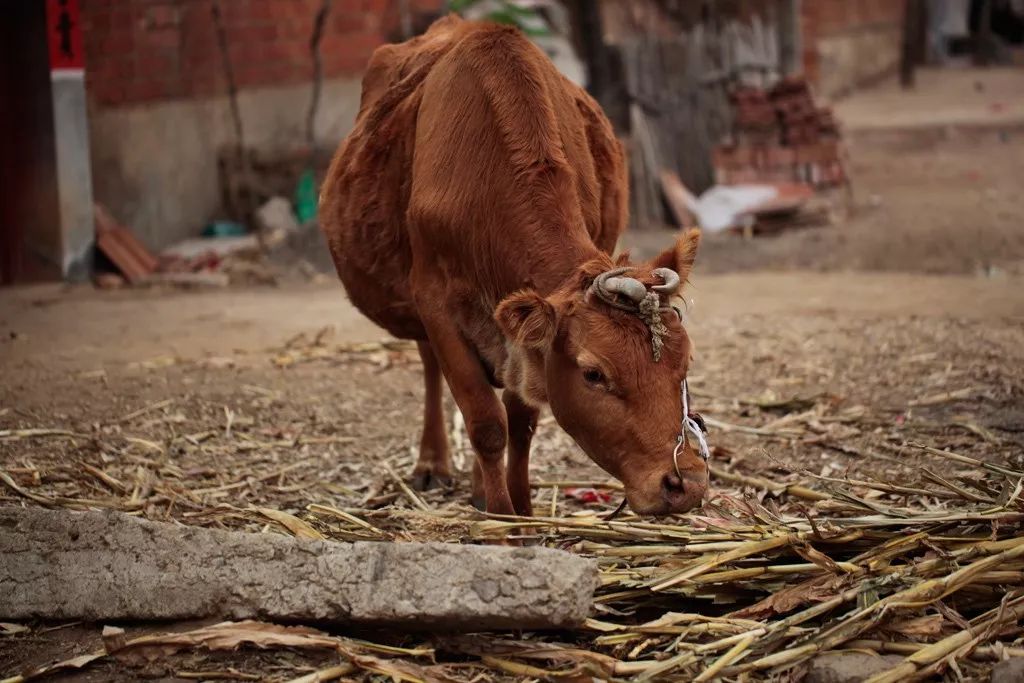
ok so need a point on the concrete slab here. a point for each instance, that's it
(103, 566)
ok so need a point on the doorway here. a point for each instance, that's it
(30, 223)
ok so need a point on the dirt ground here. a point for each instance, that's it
(196, 406)
(237, 398)
(941, 97)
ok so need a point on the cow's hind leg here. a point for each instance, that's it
(522, 421)
(434, 467)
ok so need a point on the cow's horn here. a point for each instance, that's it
(630, 288)
(671, 279)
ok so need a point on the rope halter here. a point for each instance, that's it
(629, 294)
(693, 423)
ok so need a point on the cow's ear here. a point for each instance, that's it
(681, 256)
(527, 319)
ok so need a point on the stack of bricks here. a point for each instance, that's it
(801, 119)
(780, 135)
(754, 119)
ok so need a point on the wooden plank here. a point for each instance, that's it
(120, 246)
(108, 243)
(137, 249)
(646, 167)
(678, 198)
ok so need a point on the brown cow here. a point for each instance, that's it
(473, 209)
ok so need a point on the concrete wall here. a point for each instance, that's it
(154, 165)
(74, 182)
(857, 58)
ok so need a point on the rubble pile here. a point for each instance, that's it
(279, 247)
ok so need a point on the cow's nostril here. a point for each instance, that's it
(672, 484)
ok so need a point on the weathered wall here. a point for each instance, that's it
(856, 59)
(849, 43)
(157, 85)
(155, 165)
(74, 182)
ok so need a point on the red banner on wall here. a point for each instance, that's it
(64, 34)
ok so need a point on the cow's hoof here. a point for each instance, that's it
(479, 502)
(504, 541)
(425, 481)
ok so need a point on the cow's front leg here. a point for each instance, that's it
(434, 467)
(522, 421)
(483, 412)
(479, 496)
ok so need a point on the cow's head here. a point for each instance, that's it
(592, 362)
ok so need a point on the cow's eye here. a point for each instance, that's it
(593, 376)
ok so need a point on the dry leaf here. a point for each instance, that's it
(224, 636)
(227, 635)
(295, 525)
(806, 551)
(8, 629)
(818, 589)
(73, 663)
(930, 625)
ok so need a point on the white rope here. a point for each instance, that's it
(689, 424)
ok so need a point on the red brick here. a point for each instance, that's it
(347, 55)
(237, 11)
(205, 83)
(351, 22)
(117, 42)
(97, 21)
(161, 16)
(113, 94)
(145, 91)
(144, 50)
(155, 66)
(262, 33)
(121, 69)
(169, 38)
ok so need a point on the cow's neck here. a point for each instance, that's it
(554, 265)
(554, 261)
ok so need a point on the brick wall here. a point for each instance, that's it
(842, 39)
(148, 50)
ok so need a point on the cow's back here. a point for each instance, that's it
(366, 191)
(475, 156)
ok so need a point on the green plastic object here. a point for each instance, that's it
(224, 229)
(305, 197)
